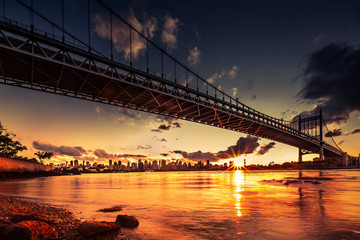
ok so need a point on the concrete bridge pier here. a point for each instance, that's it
(345, 159)
(321, 151)
(300, 161)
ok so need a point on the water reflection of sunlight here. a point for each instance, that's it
(239, 180)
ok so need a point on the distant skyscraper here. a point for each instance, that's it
(231, 164)
(208, 164)
(244, 162)
(110, 162)
(71, 163)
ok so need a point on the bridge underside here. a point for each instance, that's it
(27, 65)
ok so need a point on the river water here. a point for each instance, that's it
(210, 205)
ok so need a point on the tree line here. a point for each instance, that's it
(10, 148)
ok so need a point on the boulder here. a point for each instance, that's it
(29, 230)
(93, 228)
(16, 232)
(127, 221)
(111, 209)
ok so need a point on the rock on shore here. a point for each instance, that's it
(127, 221)
(20, 219)
(93, 228)
(111, 209)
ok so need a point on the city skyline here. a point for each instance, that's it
(273, 77)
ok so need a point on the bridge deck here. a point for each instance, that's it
(36, 62)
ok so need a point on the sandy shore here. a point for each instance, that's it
(13, 209)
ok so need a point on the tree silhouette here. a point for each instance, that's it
(8, 146)
(43, 155)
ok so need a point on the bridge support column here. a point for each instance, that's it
(321, 151)
(345, 159)
(300, 163)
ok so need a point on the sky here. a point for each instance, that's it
(279, 57)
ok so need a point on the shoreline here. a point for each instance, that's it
(4, 176)
(16, 209)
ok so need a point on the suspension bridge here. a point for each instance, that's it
(39, 53)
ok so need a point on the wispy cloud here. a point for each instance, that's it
(121, 32)
(234, 91)
(166, 124)
(319, 38)
(102, 154)
(59, 150)
(196, 32)
(123, 121)
(265, 148)
(98, 110)
(170, 31)
(194, 56)
(334, 133)
(232, 73)
(356, 130)
(144, 147)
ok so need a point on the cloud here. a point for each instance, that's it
(334, 133)
(164, 154)
(253, 97)
(265, 148)
(121, 32)
(198, 156)
(234, 91)
(244, 145)
(144, 147)
(319, 38)
(331, 82)
(196, 32)
(163, 140)
(170, 31)
(356, 130)
(219, 76)
(166, 124)
(131, 156)
(123, 121)
(233, 72)
(127, 113)
(98, 110)
(127, 117)
(215, 77)
(249, 85)
(341, 142)
(194, 56)
(101, 153)
(58, 150)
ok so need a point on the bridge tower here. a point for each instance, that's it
(306, 125)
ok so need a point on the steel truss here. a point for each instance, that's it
(36, 61)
